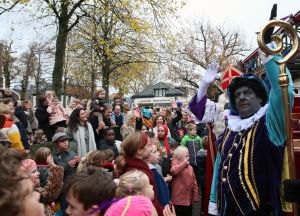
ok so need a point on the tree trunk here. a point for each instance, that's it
(105, 81)
(65, 90)
(6, 74)
(24, 88)
(61, 42)
(93, 78)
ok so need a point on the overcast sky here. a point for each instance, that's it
(249, 15)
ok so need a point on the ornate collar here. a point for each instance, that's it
(236, 124)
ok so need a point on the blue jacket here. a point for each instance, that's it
(162, 187)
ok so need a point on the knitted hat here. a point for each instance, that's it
(59, 136)
(131, 206)
(253, 82)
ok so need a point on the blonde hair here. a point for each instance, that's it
(96, 158)
(4, 108)
(157, 144)
(131, 183)
(100, 90)
(190, 127)
(179, 152)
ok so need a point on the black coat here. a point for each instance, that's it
(43, 118)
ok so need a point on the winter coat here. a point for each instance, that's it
(184, 185)
(43, 118)
(51, 191)
(193, 143)
(162, 187)
(12, 132)
(57, 113)
(23, 134)
(21, 115)
(61, 158)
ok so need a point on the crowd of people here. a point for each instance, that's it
(96, 158)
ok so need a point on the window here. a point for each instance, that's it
(160, 92)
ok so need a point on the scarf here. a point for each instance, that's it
(165, 138)
(79, 136)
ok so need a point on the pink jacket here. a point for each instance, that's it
(57, 113)
(184, 184)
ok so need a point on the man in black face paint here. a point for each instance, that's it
(248, 166)
(247, 101)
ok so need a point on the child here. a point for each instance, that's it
(134, 183)
(58, 113)
(162, 188)
(97, 104)
(109, 141)
(96, 158)
(89, 192)
(51, 191)
(43, 159)
(39, 140)
(49, 95)
(110, 156)
(63, 156)
(194, 143)
(132, 205)
(184, 185)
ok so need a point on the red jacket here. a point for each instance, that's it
(184, 184)
(138, 164)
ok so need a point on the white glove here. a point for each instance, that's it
(263, 57)
(211, 73)
(209, 77)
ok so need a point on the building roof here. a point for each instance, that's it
(149, 90)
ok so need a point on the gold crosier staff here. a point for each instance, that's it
(283, 80)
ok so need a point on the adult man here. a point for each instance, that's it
(248, 166)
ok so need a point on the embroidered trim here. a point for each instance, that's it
(240, 171)
(252, 170)
(228, 176)
(235, 123)
(246, 172)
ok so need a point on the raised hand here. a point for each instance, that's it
(211, 73)
(263, 57)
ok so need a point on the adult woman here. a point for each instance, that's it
(137, 147)
(43, 118)
(81, 133)
(159, 121)
(165, 141)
